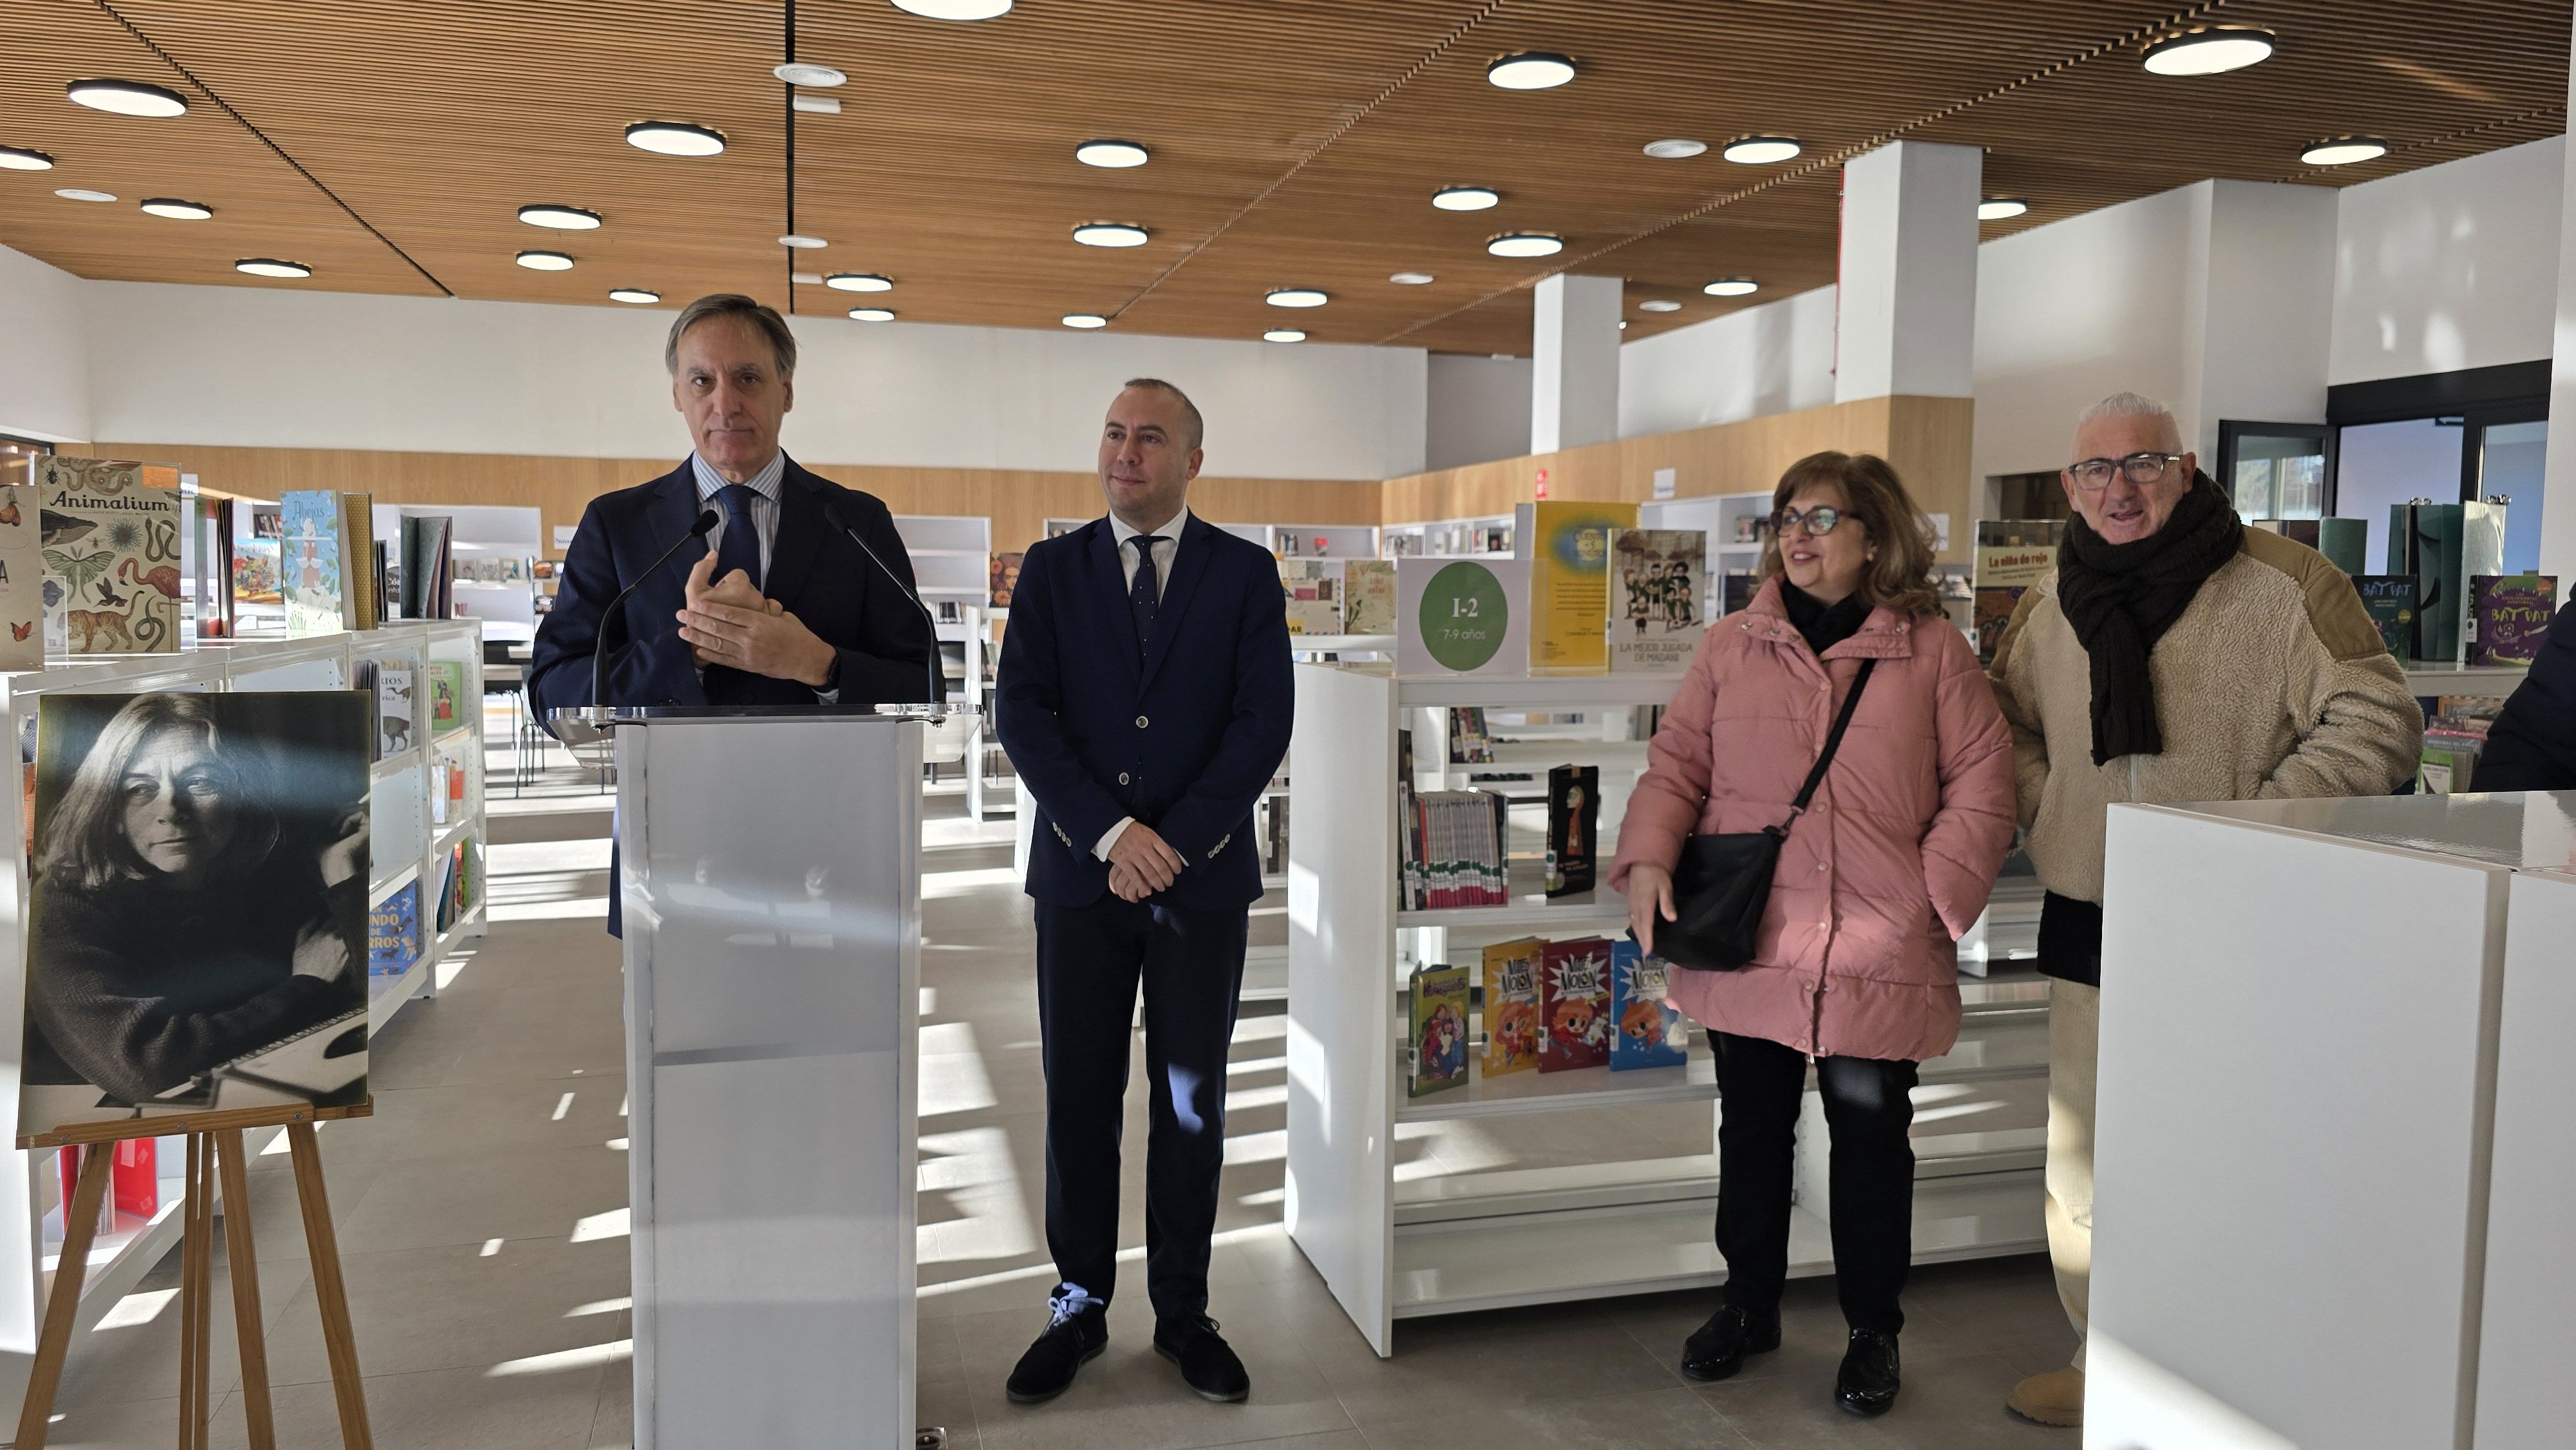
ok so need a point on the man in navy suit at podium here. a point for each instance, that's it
(1145, 697)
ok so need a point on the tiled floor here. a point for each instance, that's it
(481, 1221)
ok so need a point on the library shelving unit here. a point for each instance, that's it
(2429, 679)
(404, 846)
(1445, 538)
(952, 561)
(481, 534)
(1721, 516)
(1497, 1194)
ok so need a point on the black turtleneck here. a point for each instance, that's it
(1824, 625)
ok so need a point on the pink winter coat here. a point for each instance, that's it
(1857, 955)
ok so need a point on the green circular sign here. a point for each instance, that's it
(1464, 616)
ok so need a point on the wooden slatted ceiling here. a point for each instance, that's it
(1295, 144)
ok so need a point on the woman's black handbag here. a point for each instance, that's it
(1722, 883)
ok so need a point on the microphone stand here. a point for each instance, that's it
(937, 677)
(707, 520)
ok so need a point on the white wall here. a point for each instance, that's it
(2454, 266)
(44, 351)
(2261, 319)
(1775, 358)
(1477, 410)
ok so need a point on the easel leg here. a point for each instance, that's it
(196, 1280)
(243, 1255)
(322, 1242)
(80, 1228)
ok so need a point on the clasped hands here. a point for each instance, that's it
(1142, 863)
(727, 622)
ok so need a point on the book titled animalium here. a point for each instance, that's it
(110, 537)
(22, 582)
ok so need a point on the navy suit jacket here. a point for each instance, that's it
(1184, 741)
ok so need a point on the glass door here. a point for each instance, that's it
(2273, 470)
(2509, 462)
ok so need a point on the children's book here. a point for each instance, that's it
(1658, 578)
(1368, 596)
(109, 533)
(393, 932)
(311, 578)
(1511, 1005)
(1439, 996)
(1569, 585)
(446, 695)
(22, 581)
(2390, 601)
(2509, 616)
(1650, 1034)
(1573, 828)
(1574, 1002)
(1314, 590)
(394, 714)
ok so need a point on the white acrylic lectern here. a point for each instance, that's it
(769, 870)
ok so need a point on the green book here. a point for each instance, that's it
(2390, 600)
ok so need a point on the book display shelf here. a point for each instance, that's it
(495, 548)
(952, 562)
(1725, 518)
(1447, 538)
(1544, 1187)
(407, 847)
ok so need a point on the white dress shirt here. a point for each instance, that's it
(1166, 547)
(764, 486)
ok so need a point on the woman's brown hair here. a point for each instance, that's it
(1901, 576)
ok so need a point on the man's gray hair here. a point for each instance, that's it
(1189, 410)
(733, 304)
(2129, 405)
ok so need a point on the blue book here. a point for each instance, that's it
(1650, 1034)
(393, 932)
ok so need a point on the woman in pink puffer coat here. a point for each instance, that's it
(1856, 963)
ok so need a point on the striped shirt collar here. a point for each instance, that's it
(765, 483)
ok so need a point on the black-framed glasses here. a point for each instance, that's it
(1818, 521)
(2094, 474)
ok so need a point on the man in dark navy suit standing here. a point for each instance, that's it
(1145, 699)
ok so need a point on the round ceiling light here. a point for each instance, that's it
(20, 158)
(1531, 70)
(1296, 297)
(2344, 150)
(1411, 279)
(127, 98)
(83, 193)
(872, 314)
(1761, 150)
(177, 210)
(806, 73)
(675, 138)
(802, 242)
(1110, 234)
(1115, 155)
(2001, 208)
(1526, 244)
(560, 218)
(545, 261)
(1659, 304)
(2209, 51)
(1675, 150)
(271, 267)
(1465, 198)
(1283, 334)
(1731, 287)
(632, 294)
(1084, 320)
(858, 282)
(955, 9)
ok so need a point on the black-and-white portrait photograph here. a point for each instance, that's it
(197, 936)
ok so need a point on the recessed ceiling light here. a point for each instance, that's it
(127, 98)
(814, 105)
(20, 158)
(1411, 279)
(1296, 297)
(1526, 244)
(545, 261)
(83, 193)
(1731, 287)
(1761, 150)
(1675, 149)
(177, 210)
(872, 314)
(1084, 320)
(858, 282)
(806, 73)
(2209, 51)
(955, 9)
(1659, 304)
(632, 294)
(2344, 150)
(2001, 208)
(1531, 70)
(1109, 234)
(1283, 334)
(1116, 155)
(271, 267)
(561, 218)
(1465, 198)
(675, 138)
(802, 242)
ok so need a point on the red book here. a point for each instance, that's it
(1574, 1003)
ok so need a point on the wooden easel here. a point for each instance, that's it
(215, 1156)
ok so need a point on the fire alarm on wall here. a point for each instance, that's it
(1542, 483)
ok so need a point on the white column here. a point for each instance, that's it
(1574, 377)
(2258, 308)
(2558, 488)
(1909, 273)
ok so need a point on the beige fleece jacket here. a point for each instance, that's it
(2274, 683)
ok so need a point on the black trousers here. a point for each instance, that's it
(1091, 960)
(1869, 1108)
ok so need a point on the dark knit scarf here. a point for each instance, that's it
(2121, 598)
(1824, 625)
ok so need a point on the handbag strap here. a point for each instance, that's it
(1825, 758)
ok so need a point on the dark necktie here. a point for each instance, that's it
(1144, 593)
(740, 546)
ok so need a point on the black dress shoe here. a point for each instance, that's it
(1867, 1382)
(1073, 1338)
(1718, 1348)
(1208, 1366)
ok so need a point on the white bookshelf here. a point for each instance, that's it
(1445, 538)
(1722, 517)
(482, 533)
(952, 561)
(1399, 1227)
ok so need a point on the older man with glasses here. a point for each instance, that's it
(2175, 655)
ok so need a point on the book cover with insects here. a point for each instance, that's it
(22, 581)
(110, 537)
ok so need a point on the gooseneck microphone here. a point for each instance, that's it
(707, 520)
(937, 679)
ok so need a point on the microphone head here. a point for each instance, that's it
(707, 520)
(832, 516)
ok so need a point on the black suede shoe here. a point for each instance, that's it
(1718, 1349)
(1867, 1382)
(1074, 1337)
(1208, 1366)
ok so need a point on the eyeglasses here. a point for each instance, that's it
(1819, 521)
(2094, 474)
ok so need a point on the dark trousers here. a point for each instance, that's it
(1091, 960)
(1869, 1108)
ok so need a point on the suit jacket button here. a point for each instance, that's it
(1140, 722)
(1122, 777)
